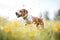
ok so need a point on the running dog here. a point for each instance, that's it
(29, 18)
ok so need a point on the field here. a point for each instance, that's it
(16, 30)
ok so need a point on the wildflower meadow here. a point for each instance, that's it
(16, 30)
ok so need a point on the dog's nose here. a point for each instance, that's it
(16, 13)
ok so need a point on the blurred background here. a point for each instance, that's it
(49, 8)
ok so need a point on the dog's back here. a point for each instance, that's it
(38, 20)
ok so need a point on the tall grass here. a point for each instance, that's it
(16, 30)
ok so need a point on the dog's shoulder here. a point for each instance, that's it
(29, 17)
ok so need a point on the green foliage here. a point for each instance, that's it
(57, 35)
(57, 16)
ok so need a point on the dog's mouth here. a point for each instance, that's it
(18, 15)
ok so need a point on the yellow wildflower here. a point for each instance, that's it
(56, 27)
(6, 28)
(28, 25)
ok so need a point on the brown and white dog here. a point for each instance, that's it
(29, 19)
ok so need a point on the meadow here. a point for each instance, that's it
(16, 30)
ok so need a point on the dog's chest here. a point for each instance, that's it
(29, 18)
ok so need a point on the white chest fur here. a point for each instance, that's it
(28, 19)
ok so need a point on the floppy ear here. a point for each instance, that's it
(26, 11)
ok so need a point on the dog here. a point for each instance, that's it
(29, 18)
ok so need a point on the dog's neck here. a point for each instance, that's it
(25, 17)
(28, 18)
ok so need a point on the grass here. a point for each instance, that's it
(16, 30)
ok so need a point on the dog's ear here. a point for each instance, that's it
(26, 11)
(23, 12)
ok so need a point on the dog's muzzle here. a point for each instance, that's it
(18, 15)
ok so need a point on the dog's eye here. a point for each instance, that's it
(20, 11)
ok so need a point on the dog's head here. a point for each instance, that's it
(21, 13)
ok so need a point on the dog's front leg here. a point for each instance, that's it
(25, 23)
(28, 25)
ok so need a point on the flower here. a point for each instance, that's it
(28, 25)
(56, 27)
(6, 28)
